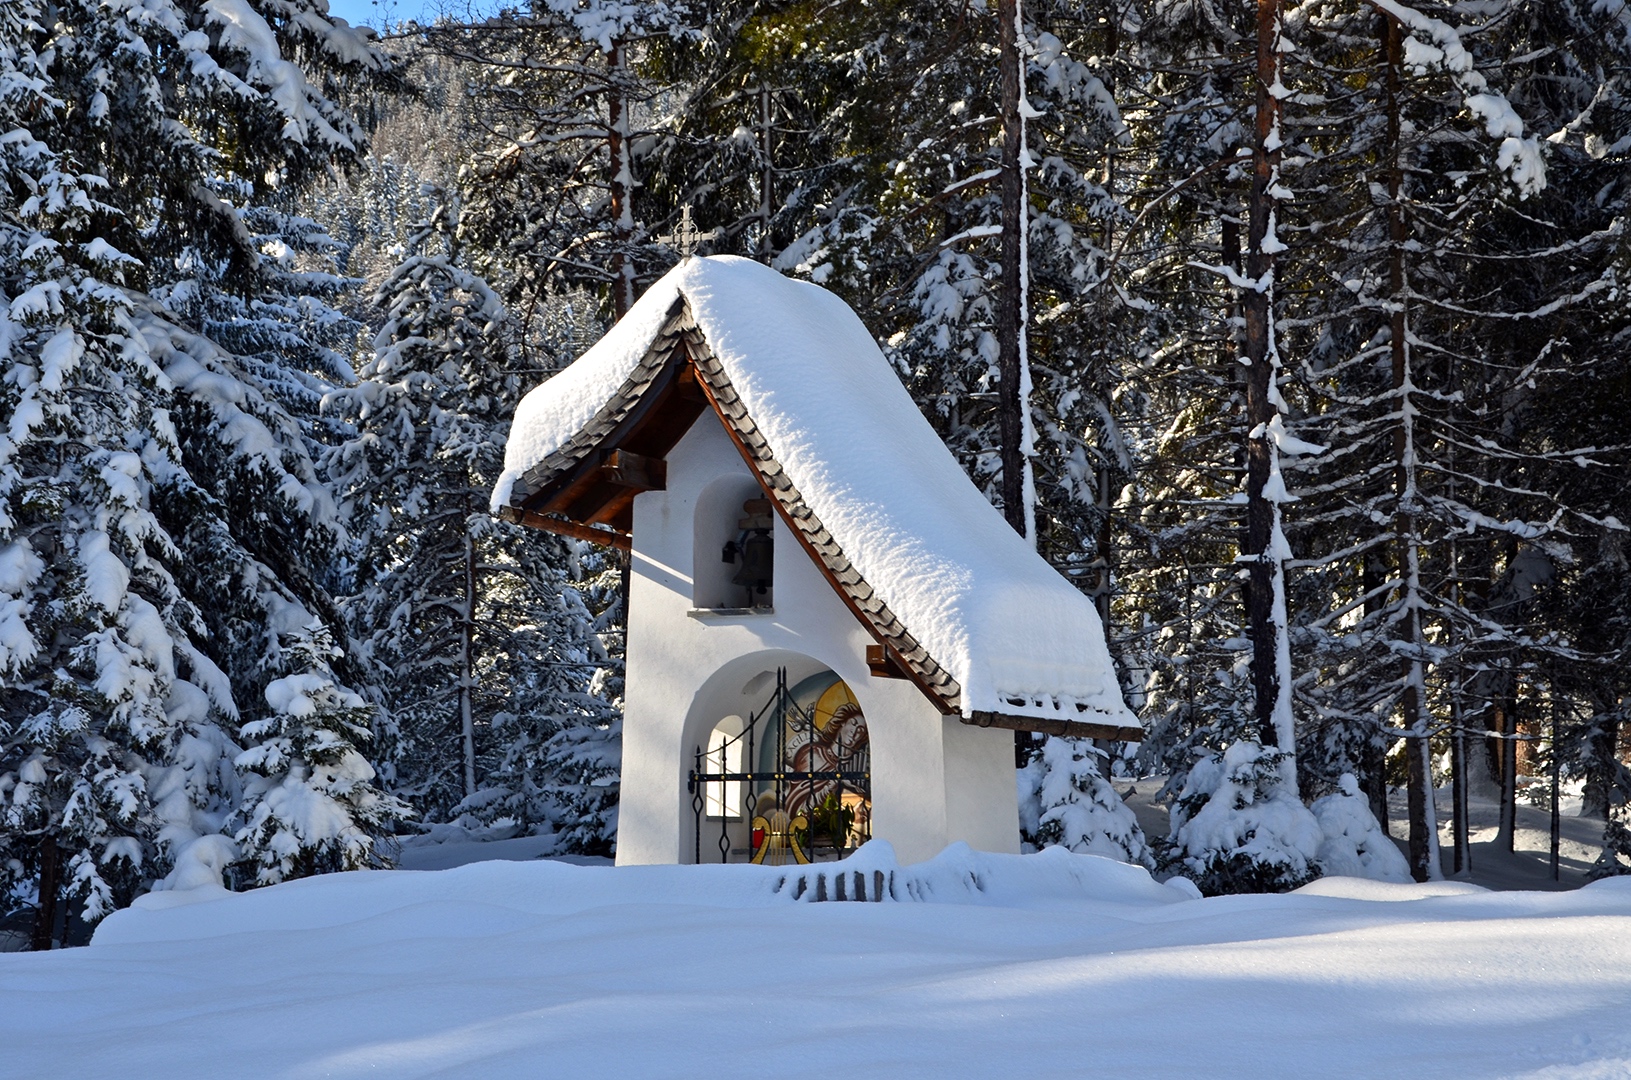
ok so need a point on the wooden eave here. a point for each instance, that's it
(586, 489)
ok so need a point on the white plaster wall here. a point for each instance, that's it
(934, 780)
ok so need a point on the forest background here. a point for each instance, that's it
(1322, 310)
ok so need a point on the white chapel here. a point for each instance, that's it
(832, 635)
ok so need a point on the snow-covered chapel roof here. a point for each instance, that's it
(961, 603)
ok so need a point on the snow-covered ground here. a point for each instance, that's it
(1528, 864)
(1049, 965)
(448, 847)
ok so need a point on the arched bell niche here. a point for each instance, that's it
(787, 782)
(732, 550)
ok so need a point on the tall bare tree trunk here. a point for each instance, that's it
(767, 176)
(1557, 779)
(1012, 377)
(1264, 592)
(1424, 855)
(1104, 586)
(621, 181)
(1506, 716)
(1372, 576)
(1461, 750)
(1460, 784)
(45, 916)
(467, 666)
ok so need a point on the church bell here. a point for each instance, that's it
(757, 561)
(756, 548)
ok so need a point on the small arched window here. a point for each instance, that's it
(727, 753)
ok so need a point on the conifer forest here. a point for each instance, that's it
(1291, 331)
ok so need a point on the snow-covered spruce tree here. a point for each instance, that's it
(1238, 826)
(1077, 808)
(159, 512)
(1355, 844)
(1432, 340)
(1217, 439)
(289, 334)
(310, 805)
(552, 192)
(1187, 175)
(487, 653)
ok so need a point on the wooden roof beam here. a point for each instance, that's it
(563, 527)
(624, 468)
(883, 664)
(1075, 729)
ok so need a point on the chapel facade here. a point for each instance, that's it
(778, 707)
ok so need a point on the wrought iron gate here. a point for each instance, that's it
(790, 812)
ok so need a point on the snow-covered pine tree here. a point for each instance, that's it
(490, 660)
(1430, 369)
(1204, 583)
(1567, 80)
(1355, 844)
(1077, 808)
(310, 804)
(552, 192)
(1238, 825)
(289, 334)
(1187, 174)
(160, 516)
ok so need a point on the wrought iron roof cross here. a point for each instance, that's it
(685, 236)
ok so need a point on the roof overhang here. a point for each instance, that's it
(586, 489)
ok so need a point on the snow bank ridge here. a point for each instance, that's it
(961, 875)
(1053, 880)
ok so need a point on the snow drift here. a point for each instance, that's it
(1049, 965)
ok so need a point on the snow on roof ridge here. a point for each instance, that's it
(1015, 635)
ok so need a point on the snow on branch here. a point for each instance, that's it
(1434, 45)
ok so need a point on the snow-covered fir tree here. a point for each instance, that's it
(1238, 825)
(1355, 844)
(160, 513)
(491, 662)
(310, 804)
(1077, 808)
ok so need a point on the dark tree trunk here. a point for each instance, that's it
(1423, 834)
(767, 175)
(1459, 784)
(1507, 717)
(1557, 780)
(1372, 575)
(619, 181)
(1010, 299)
(45, 916)
(1260, 407)
(467, 666)
(1010, 423)
(1406, 526)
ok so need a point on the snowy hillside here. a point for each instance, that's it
(1040, 966)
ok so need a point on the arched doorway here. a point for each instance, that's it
(806, 791)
